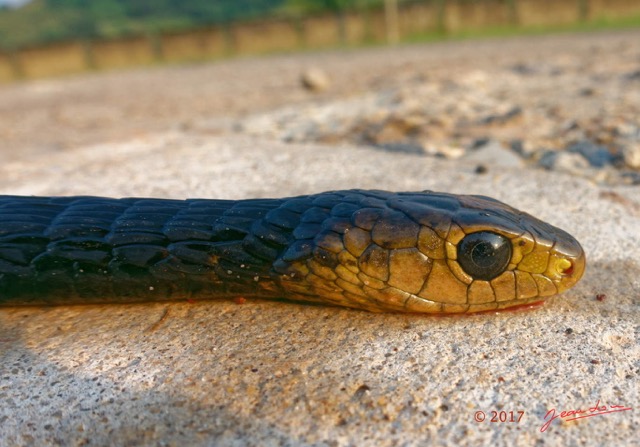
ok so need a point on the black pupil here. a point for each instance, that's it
(484, 255)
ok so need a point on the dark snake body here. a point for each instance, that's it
(65, 250)
(93, 249)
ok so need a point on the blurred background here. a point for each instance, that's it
(40, 38)
(553, 84)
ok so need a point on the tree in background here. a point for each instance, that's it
(308, 7)
(41, 21)
(54, 20)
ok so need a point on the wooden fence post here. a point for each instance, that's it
(441, 25)
(230, 46)
(155, 43)
(301, 32)
(87, 53)
(583, 10)
(16, 64)
(391, 20)
(341, 18)
(512, 11)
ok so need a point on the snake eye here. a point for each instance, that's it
(484, 255)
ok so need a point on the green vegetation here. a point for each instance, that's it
(293, 7)
(600, 24)
(43, 21)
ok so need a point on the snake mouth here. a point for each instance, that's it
(567, 264)
(570, 270)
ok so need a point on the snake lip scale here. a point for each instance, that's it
(425, 252)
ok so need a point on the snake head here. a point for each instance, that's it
(435, 253)
(511, 257)
(487, 255)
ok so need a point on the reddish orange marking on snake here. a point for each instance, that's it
(518, 308)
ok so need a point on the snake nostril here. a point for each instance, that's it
(565, 267)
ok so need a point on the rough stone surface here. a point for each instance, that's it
(545, 93)
(274, 373)
(286, 374)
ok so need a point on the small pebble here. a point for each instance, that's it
(486, 117)
(495, 154)
(563, 161)
(315, 80)
(597, 156)
(631, 155)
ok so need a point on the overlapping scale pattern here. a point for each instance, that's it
(375, 250)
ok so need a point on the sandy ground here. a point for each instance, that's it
(271, 373)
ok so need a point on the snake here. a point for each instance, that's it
(380, 251)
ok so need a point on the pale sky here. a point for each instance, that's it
(13, 2)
